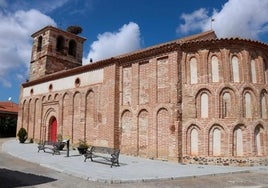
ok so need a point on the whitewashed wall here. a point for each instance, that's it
(87, 78)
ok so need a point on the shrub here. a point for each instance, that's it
(59, 138)
(82, 147)
(22, 134)
(83, 144)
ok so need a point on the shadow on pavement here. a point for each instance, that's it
(11, 178)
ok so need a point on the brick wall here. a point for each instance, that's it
(241, 136)
(146, 104)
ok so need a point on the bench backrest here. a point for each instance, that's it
(59, 145)
(100, 149)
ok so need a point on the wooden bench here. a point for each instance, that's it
(109, 154)
(55, 147)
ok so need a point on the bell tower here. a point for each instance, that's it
(54, 50)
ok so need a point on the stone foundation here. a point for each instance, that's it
(226, 161)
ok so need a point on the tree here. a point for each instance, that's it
(8, 125)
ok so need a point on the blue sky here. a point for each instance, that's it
(114, 27)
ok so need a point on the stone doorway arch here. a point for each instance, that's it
(50, 125)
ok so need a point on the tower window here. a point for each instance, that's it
(60, 44)
(72, 48)
(39, 45)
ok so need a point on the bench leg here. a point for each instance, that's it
(114, 161)
(55, 151)
(41, 147)
(88, 156)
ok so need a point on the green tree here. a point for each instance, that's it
(8, 125)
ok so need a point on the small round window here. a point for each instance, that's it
(77, 82)
(31, 91)
(50, 88)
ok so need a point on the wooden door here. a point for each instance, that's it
(53, 130)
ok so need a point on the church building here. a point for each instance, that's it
(198, 99)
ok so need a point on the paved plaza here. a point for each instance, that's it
(132, 169)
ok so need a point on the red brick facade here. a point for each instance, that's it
(234, 128)
(194, 100)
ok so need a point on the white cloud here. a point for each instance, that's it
(193, 21)
(16, 42)
(237, 18)
(109, 44)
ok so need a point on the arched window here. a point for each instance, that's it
(238, 142)
(72, 48)
(235, 69)
(216, 142)
(259, 140)
(248, 106)
(163, 133)
(60, 43)
(263, 106)
(128, 134)
(204, 105)
(143, 130)
(253, 71)
(226, 105)
(193, 70)
(39, 45)
(215, 69)
(194, 141)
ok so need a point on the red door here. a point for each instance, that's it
(53, 130)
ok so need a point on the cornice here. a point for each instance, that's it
(224, 43)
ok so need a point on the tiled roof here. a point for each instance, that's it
(8, 107)
(134, 55)
(207, 35)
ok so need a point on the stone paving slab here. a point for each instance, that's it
(131, 168)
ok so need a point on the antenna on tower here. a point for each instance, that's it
(211, 20)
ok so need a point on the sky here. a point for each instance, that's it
(114, 27)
